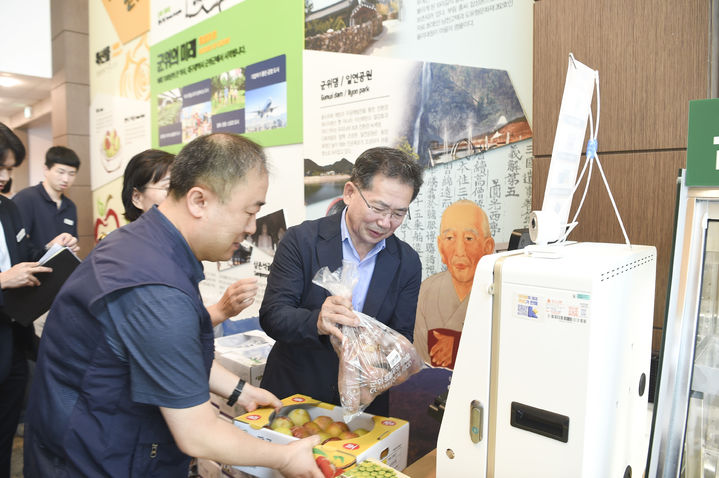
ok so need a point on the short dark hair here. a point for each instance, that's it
(390, 162)
(8, 186)
(216, 161)
(61, 155)
(10, 142)
(147, 167)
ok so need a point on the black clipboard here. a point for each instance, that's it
(25, 304)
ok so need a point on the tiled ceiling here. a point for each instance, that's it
(29, 90)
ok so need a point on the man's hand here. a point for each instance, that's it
(66, 240)
(441, 353)
(22, 275)
(299, 461)
(198, 431)
(335, 310)
(253, 397)
(237, 297)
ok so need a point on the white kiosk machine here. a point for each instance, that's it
(552, 371)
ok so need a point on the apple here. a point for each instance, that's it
(323, 421)
(299, 432)
(347, 435)
(281, 422)
(335, 428)
(360, 431)
(312, 428)
(324, 436)
(299, 416)
(283, 430)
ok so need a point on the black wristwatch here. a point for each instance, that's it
(236, 393)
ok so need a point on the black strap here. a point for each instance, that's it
(236, 393)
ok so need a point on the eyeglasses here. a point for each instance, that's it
(159, 188)
(396, 215)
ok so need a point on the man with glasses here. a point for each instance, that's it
(300, 315)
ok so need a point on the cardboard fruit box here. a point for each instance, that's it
(386, 439)
(245, 355)
(372, 467)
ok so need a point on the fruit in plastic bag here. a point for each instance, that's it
(373, 357)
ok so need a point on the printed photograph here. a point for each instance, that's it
(196, 121)
(270, 231)
(449, 112)
(350, 26)
(266, 108)
(240, 257)
(169, 106)
(228, 91)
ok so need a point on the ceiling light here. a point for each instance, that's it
(8, 81)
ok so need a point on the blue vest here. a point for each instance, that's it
(80, 408)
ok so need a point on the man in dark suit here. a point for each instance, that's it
(300, 315)
(16, 270)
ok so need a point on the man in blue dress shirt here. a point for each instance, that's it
(300, 315)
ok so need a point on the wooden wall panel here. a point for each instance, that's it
(652, 57)
(644, 188)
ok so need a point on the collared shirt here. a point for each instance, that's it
(5, 263)
(42, 219)
(365, 267)
(196, 270)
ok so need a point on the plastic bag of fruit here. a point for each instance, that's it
(373, 357)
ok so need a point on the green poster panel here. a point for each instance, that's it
(239, 71)
(703, 143)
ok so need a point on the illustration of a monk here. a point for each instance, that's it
(464, 238)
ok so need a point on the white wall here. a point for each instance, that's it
(26, 26)
(39, 139)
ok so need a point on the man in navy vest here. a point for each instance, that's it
(126, 364)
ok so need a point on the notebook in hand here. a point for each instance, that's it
(25, 304)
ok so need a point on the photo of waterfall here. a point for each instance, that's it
(460, 111)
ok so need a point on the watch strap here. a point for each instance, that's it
(236, 393)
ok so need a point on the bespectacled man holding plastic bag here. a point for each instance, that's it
(301, 315)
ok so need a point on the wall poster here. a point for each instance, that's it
(230, 73)
(450, 82)
(464, 125)
(119, 101)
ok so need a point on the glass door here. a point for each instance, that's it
(685, 422)
(701, 445)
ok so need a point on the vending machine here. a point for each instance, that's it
(552, 372)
